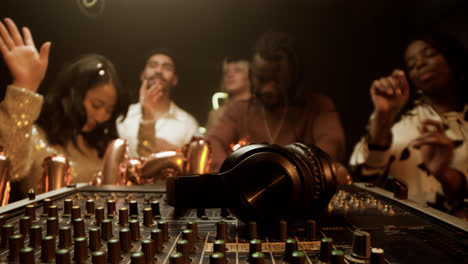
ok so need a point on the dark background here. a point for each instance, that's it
(344, 44)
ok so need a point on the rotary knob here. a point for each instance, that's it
(221, 230)
(133, 208)
(90, 207)
(81, 250)
(67, 206)
(62, 256)
(65, 237)
(26, 255)
(138, 258)
(52, 226)
(106, 229)
(147, 246)
(326, 247)
(125, 239)
(99, 215)
(255, 245)
(48, 249)
(157, 237)
(94, 239)
(135, 230)
(113, 251)
(35, 236)
(99, 257)
(123, 216)
(218, 258)
(16, 243)
(257, 258)
(219, 246)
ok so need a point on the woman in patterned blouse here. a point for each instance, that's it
(419, 137)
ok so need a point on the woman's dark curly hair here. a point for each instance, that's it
(63, 114)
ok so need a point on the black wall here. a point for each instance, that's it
(344, 44)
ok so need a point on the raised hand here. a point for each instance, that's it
(389, 94)
(436, 148)
(26, 64)
(150, 94)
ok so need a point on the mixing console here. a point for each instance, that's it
(110, 224)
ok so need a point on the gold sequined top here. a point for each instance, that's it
(25, 143)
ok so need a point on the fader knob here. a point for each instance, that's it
(218, 258)
(138, 258)
(48, 249)
(16, 243)
(326, 246)
(81, 250)
(298, 257)
(62, 256)
(257, 258)
(26, 255)
(221, 230)
(99, 257)
(31, 194)
(125, 239)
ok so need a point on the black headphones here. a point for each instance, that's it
(261, 182)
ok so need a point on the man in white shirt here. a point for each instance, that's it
(156, 123)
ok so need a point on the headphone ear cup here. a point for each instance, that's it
(237, 156)
(318, 174)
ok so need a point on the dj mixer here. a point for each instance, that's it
(115, 224)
